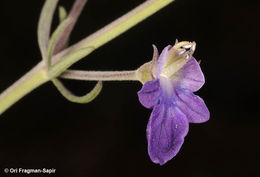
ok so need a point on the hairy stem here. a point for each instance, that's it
(100, 75)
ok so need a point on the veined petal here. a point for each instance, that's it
(190, 76)
(149, 94)
(161, 60)
(165, 132)
(191, 105)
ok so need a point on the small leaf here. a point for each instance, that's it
(62, 13)
(44, 25)
(74, 15)
(54, 39)
(78, 99)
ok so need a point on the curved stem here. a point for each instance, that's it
(100, 75)
(38, 75)
(78, 99)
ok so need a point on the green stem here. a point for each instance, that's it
(100, 75)
(38, 75)
(34, 78)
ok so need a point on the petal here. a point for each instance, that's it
(190, 76)
(149, 94)
(165, 132)
(162, 59)
(191, 105)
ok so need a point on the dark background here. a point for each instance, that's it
(107, 136)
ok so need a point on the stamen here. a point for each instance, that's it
(187, 46)
(193, 47)
(187, 57)
(182, 51)
(180, 54)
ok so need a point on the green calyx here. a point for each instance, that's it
(147, 71)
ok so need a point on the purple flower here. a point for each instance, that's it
(174, 76)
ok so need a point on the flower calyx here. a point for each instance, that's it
(168, 63)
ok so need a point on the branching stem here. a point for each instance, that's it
(61, 62)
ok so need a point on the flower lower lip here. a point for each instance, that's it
(166, 85)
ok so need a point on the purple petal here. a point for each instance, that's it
(161, 60)
(191, 105)
(165, 132)
(149, 94)
(191, 76)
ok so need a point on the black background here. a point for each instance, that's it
(107, 136)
